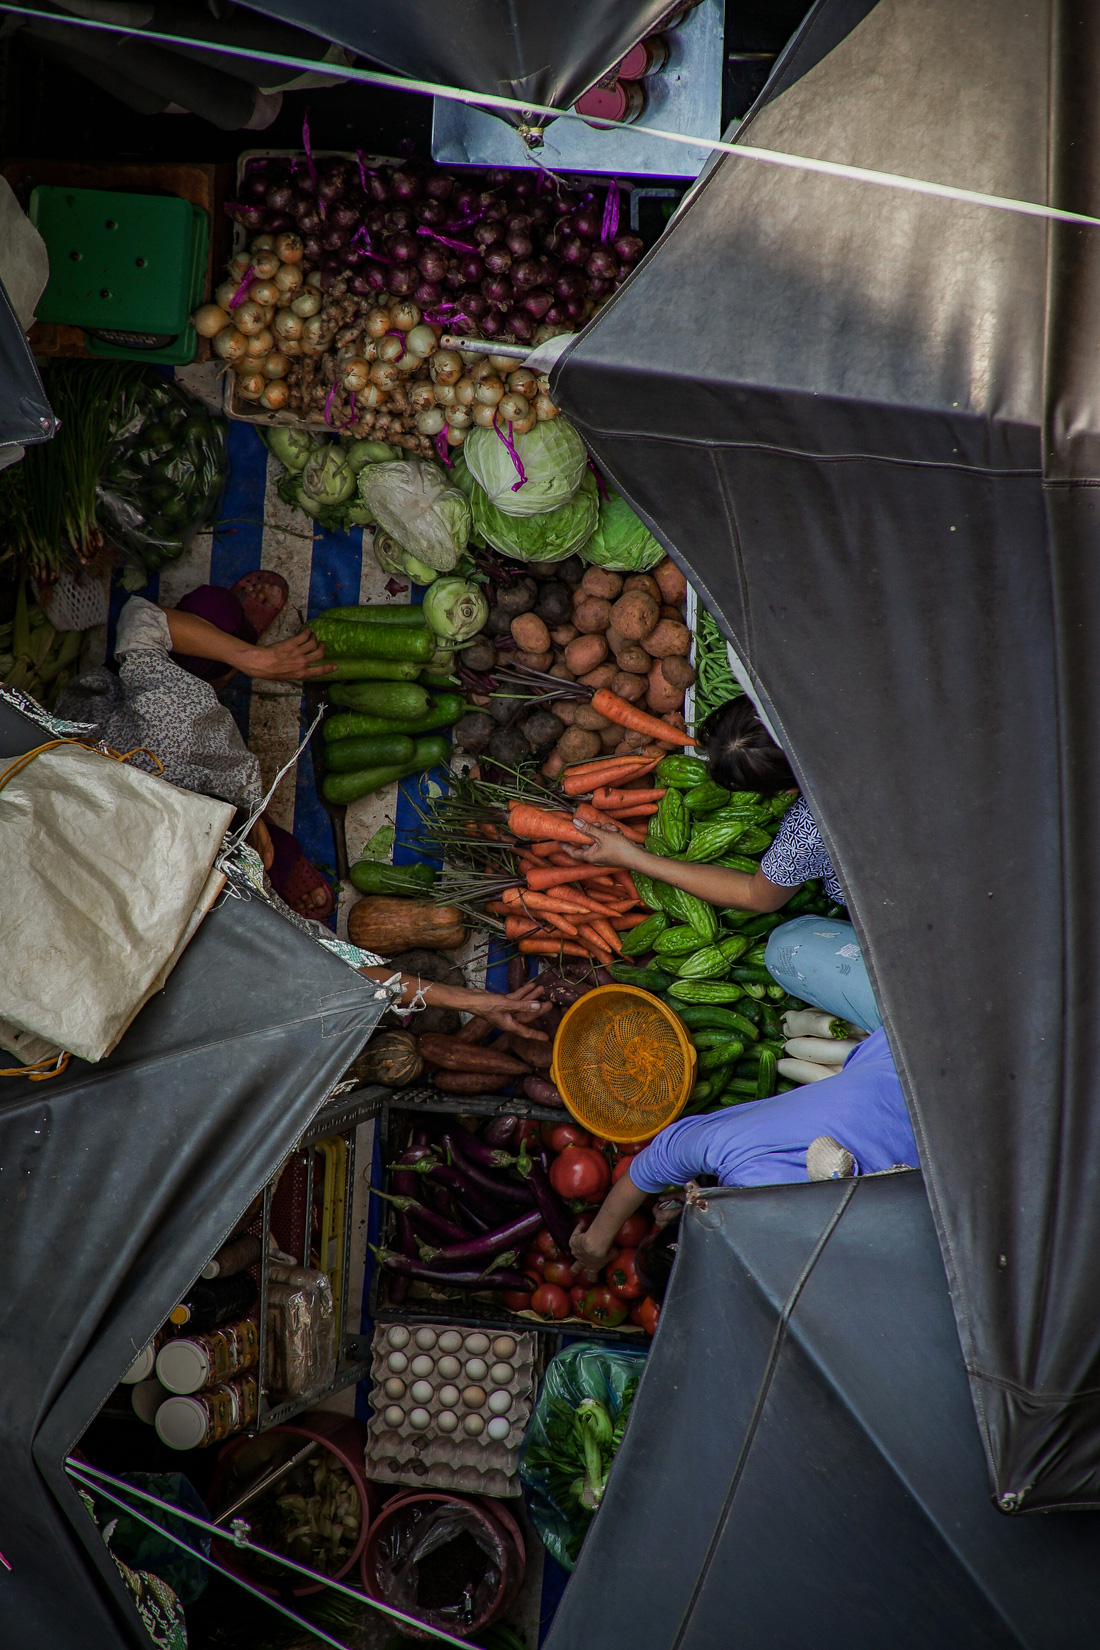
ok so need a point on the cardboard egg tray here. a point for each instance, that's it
(436, 1444)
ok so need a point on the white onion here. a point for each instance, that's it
(275, 396)
(289, 247)
(225, 294)
(307, 303)
(249, 318)
(209, 319)
(275, 365)
(251, 385)
(230, 344)
(431, 420)
(422, 396)
(261, 343)
(261, 243)
(265, 265)
(377, 323)
(523, 383)
(421, 340)
(357, 377)
(484, 417)
(264, 293)
(404, 316)
(490, 390)
(384, 375)
(545, 409)
(513, 408)
(459, 418)
(446, 366)
(288, 277)
(288, 324)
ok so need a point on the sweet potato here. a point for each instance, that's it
(633, 657)
(598, 581)
(592, 614)
(643, 581)
(468, 1082)
(630, 687)
(601, 677)
(533, 661)
(661, 696)
(678, 671)
(585, 654)
(579, 745)
(635, 615)
(672, 583)
(666, 638)
(563, 634)
(586, 717)
(531, 634)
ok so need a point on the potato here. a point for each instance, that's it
(633, 657)
(598, 581)
(531, 633)
(592, 614)
(678, 671)
(672, 583)
(579, 745)
(555, 602)
(585, 654)
(601, 677)
(609, 737)
(643, 581)
(676, 613)
(623, 749)
(634, 616)
(615, 640)
(566, 710)
(629, 687)
(668, 637)
(588, 718)
(636, 741)
(562, 672)
(675, 720)
(563, 634)
(553, 765)
(661, 695)
(533, 661)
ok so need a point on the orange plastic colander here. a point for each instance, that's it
(622, 1063)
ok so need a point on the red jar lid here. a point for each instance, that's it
(622, 102)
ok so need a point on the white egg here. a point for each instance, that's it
(498, 1429)
(473, 1426)
(394, 1416)
(449, 1341)
(476, 1369)
(499, 1402)
(419, 1420)
(447, 1421)
(477, 1344)
(504, 1346)
(394, 1387)
(398, 1362)
(500, 1374)
(448, 1395)
(449, 1368)
(398, 1336)
(421, 1392)
(425, 1339)
(473, 1397)
(422, 1366)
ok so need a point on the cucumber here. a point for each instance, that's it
(750, 974)
(348, 787)
(407, 613)
(640, 939)
(711, 1041)
(370, 670)
(751, 1010)
(398, 701)
(704, 1017)
(431, 751)
(738, 1089)
(443, 711)
(343, 640)
(648, 979)
(374, 876)
(717, 1059)
(745, 1028)
(344, 755)
(764, 925)
(703, 1090)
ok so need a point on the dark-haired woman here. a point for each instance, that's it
(817, 959)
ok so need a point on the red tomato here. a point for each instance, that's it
(645, 1314)
(623, 1277)
(631, 1232)
(620, 1168)
(535, 1261)
(559, 1272)
(601, 1144)
(559, 1135)
(545, 1245)
(550, 1302)
(516, 1300)
(604, 1307)
(578, 1295)
(526, 1129)
(580, 1172)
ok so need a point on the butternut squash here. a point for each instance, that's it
(391, 925)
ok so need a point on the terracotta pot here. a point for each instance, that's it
(504, 1533)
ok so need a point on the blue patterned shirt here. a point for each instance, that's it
(798, 854)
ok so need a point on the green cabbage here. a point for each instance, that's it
(548, 537)
(413, 501)
(455, 610)
(553, 457)
(293, 448)
(621, 542)
(369, 452)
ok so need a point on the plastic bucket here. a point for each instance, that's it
(504, 1533)
(346, 1439)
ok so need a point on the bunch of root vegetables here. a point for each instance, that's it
(555, 638)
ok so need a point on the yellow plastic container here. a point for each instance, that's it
(623, 1063)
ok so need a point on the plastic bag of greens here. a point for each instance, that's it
(164, 473)
(551, 536)
(552, 457)
(416, 504)
(621, 542)
(577, 1426)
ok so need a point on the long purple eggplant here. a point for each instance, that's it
(480, 1152)
(406, 1237)
(441, 1228)
(556, 1216)
(404, 1267)
(499, 1131)
(486, 1183)
(465, 1192)
(512, 1236)
(406, 1179)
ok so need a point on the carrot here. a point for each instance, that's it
(604, 928)
(552, 948)
(607, 797)
(559, 860)
(552, 919)
(497, 908)
(639, 721)
(592, 816)
(554, 876)
(543, 826)
(643, 810)
(595, 943)
(517, 928)
(626, 882)
(630, 919)
(617, 769)
(544, 850)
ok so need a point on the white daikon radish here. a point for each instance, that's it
(814, 1022)
(824, 1051)
(805, 1071)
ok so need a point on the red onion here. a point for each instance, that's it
(475, 305)
(432, 264)
(277, 222)
(602, 265)
(628, 247)
(538, 212)
(375, 277)
(378, 186)
(398, 219)
(403, 248)
(569, 284)
(360, 285)
(328, 276)
(486, 234)
(498, 260)
(523, 186)
(345, 214)
(552, 239)
(536, 303)
(438, 185)
(405, 186)
(562, 205)
(471, 268)
(335, 237)
(575, 251)
(330, 189)
(574, 308)
(332, 262)
(519, 245)
(403, 280)
(465, 200)
(586, 221)
(491, 324)
(256, 182)
(496, 289)
(376, 220)
(525, 274)
(431, 213)
(309, 219)
(521, 324)
(427, 294)
(498, 177)
(305, 183)
(279, 197)
(312, 248)
(454, 280)
(622, 273)
(494, 206)
(597, 287)
(354, 256)
(557, 315)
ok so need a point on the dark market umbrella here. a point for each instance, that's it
(801, 1467)
(117, 1183)
(865, 422)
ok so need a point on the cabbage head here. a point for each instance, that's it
(621, 542)
(455, 610)
(414, 502)
(553, 457)
(548, 537)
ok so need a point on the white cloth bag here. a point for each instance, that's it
(106, 872)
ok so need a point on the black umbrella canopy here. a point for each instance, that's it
(550, 53)
(865, 422)
(117, 1183)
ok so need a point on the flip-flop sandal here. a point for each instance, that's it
(250, 591)
(295, 879)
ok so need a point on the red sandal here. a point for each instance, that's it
(262, 596)
(295, 880)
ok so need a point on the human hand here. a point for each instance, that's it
(514, 1011)
(294, 660)
(608, 847)
(591, 1256)
(259, 837)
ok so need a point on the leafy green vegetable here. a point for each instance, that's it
(621, 542)
(293, 448)
(550, 535)
(554, 462)
(416, 504)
